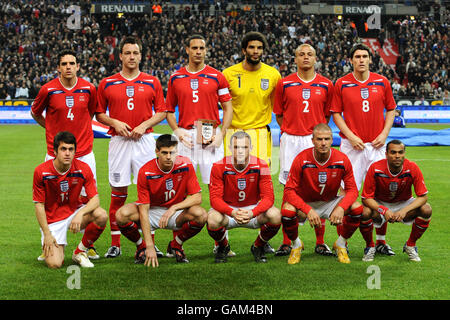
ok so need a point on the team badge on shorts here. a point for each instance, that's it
(130, 91)
(194, 84)
(264, 84)
(364, 93)
(64, 186)
(241, 183)
(322, 177)
(169, 184)
(306, 93)
(70, 101)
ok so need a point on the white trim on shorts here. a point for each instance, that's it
(59, 229)
(393, 206)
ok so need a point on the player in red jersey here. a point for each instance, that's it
(302, 100)
(388, 193)
(69, 104)
(169, 197)
(197, 90)
(57, 186)
(362, 97)
(311, 193)
(241, 195)
(129, 97)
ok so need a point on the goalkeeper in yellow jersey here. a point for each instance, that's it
(252, 87)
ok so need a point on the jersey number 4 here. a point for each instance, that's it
(70, 114)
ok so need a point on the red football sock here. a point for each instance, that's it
(351, 222)
(117, 200)
(188, 230)
(366, 229)
(381, 233)
(91, 234)
(219, 236)
(418, 228)
(320, 231)
(267, 232)
(131, 232)
(286, 239)
(289, 220)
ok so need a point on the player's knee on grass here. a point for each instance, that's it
(56, 260)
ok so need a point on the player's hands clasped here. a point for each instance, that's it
(242, 216)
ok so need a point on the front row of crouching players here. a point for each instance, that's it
(241, 195)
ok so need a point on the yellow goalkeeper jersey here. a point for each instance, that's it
(253, 95)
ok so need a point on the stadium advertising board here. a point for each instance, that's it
(426, 111)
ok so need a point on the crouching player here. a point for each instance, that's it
(387, 192)
(57, 185)
(241, 195)
(311, 193)
(169, 197)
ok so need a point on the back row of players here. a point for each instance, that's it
(235, 163)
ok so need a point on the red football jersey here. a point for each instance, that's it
(61, 192)
(164, 189)
(130, 101)
(302, 104)
(381, 185)
(197, 95)
(67, 110)
(363, 104)
(230, 187)
(311, 181)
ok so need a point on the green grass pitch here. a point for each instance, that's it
(315, 278)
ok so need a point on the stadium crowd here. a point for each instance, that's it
(33, 31)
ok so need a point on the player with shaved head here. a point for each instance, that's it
(302, 100)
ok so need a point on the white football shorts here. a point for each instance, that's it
(290, 147)
(126, 156)
(59, 229)
(323, 208)
(155, 214)
(362, 159)
(203, 157)
(394, 206)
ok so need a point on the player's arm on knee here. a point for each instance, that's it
(411, 211)
(49, 240)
